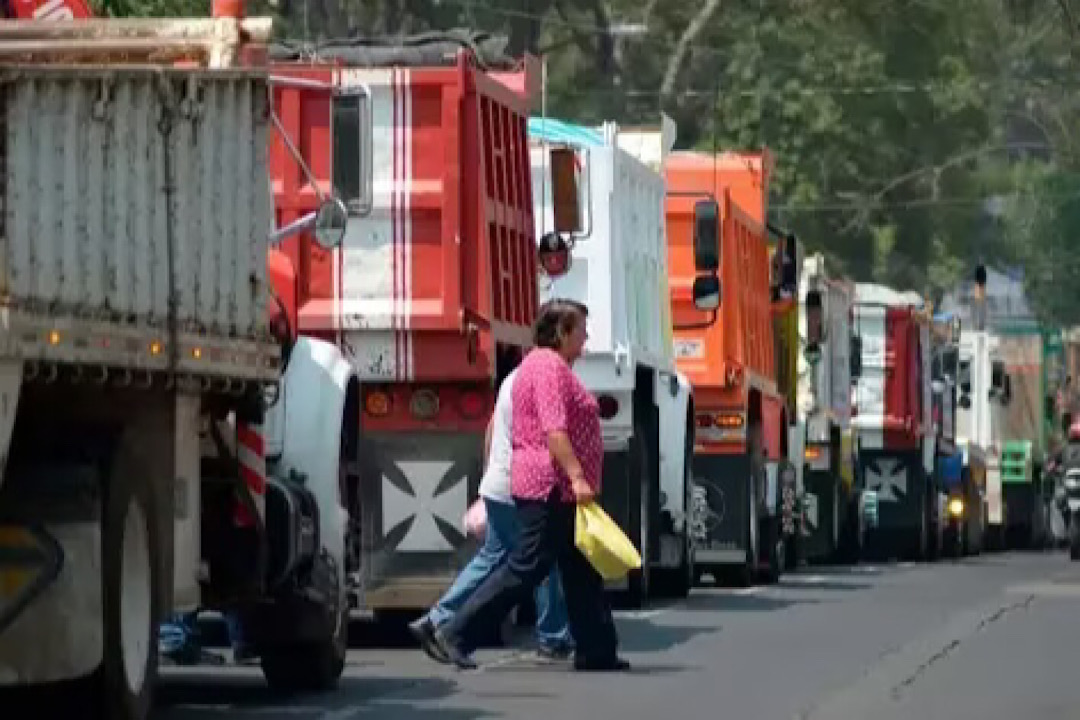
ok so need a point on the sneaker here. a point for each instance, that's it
(554, 653)
(453, 652)
(424, 632)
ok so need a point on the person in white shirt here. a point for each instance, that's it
(552, 628)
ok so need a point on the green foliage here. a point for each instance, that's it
(1045, 222)
(913, 138)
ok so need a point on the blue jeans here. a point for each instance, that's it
(552, 628)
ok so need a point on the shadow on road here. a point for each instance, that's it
(726, 602)
(641, 635)
(210, 698)
(826, 584)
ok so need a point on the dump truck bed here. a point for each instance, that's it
(135, 216)
(444, 267)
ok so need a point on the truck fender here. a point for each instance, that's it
(303, 431)
(673, 409)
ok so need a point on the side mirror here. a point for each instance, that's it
(706, 292)
(564, 190)
(330, 221)
(351, 137)
(997, 376)
(707, 236)
(815, 332)
(856, 357)
(1006, 390)
(553, 254)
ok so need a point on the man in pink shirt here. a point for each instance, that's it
(556, 462)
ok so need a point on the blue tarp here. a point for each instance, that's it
(557, 131)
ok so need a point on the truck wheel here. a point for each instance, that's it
(676, 583)
(640, 584)
(744, 574)
(309, 667)
(771, 540)
(130, 545)
(1074, 539)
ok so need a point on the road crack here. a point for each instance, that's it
(950, 647)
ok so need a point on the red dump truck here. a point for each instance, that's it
(431, 296)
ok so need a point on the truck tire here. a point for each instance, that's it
(130, 553)
(309, 667)
(676, 583)
(744, 574)
(640, 581)
(771, 541)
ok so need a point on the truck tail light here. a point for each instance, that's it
(424, 404)
(721, 420)
(608, 406)
(472, 404)
(729, 421)
(377, 403)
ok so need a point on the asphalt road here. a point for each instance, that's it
(988, 638)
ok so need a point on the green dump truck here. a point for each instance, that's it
(1033, 359)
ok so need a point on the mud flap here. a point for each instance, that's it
(822, 507)
(30, 562)
(721, 510)
(415, 490)
(899, 483)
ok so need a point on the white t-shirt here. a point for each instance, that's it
(495, 485)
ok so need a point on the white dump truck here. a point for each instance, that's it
(618, 268)
(139, 361)
(832, 519)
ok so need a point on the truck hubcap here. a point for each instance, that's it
(135, 597)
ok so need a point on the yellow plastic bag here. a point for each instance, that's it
(603, 543)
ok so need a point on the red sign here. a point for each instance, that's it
(51, 9)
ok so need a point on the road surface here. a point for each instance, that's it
(987, 638)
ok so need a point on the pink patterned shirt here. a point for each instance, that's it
(548, 396)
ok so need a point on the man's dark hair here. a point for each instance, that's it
(557, 319)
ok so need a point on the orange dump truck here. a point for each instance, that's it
(724, 296)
